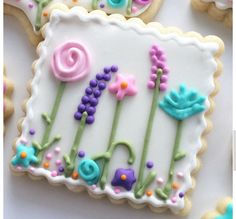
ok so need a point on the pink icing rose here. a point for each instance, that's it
(123, 86)
(70, 62)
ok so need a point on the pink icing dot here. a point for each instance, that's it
(31, 169)
(151, 85)
(174, 199)
(117, 190)
(180, 175)
(152, 52)
(93, 187)
(163, 87)
(154, 59)
(154, 69)
(30, 5)
(23, 140)
(153, 77)
(164, 78)
(49, 156)
(54, 173)
(134, 9)
(58, 162)
(19, 168)
(166, 70)
(160, 181)
(57, 150)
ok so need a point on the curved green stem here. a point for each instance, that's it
(70, 160)
(139, 188)
(45, 143)
(164, 194)
(95, 4)
(129, 7)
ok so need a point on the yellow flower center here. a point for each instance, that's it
(123, 177)
(23, 155)
(123, 85)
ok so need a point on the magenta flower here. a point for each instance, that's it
(70, 62)
(123, 86)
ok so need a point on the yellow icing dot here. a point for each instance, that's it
(23, 155)
(75, 1)
(123, 177)
(149, 193)
(175, 185)
(124, 85)
(75, 175)
(45, 14)
(46, 165)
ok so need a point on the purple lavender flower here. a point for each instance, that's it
(92, 94)
(158, 60)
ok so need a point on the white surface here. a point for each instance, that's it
(30, 199)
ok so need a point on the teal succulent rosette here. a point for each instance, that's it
(179, 105)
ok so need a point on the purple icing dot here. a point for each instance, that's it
(81, 154)
(32, 131)
(81, 108)
(85, 99)
(107, 70)
(164, 78)
(154, 69)
(93, 83)
(30, 5)
(77, 115)
(181, 194)
(89, 91)
(93, 101)
(102, 5)
(149, 164)
(61, 169)
(151, 85)
(101, 85)
(106, 77)
(114, 68)
(153, 77)
(90, 120)
(97, 93)
(90, 110)
(99, 76)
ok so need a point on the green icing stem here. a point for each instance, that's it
(41, 5)
(70, 160)
(116, 117)
(164, 194)
(94, 4)
(45, 143)
(129, 7)
(140, 186)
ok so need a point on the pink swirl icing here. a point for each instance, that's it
(142, 2)
(70, 62)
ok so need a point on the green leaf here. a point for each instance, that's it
(46, 118)
(179, 155)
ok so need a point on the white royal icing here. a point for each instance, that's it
(221, 4)
(29, 7)
(126, 44)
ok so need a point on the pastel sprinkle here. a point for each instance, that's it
(181, 194)
(57, 150)
(117, 190)
(93, 187)
(174, 199)
(75, 175)
(54, 173)
(49, 156)
(134, 9)
(46, 165)
(149, 193)
(175, 185)
(149, 164)
(31, 169)
(19, 168)
(81, 154)
(30, 5)
(180, 175)
(45, 14)
(58, 162)
(160, 181)
(32, 131)
(23, 141)
(102, 5)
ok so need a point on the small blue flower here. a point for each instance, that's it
(24, 156)
(183, 104)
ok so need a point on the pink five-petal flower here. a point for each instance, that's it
(123, 86)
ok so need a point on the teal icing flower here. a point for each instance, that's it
(89, 171)
(228, 213)
(24, 156)
(116, 3)
(183, 104)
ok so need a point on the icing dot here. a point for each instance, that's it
(181, 194)
(134, 9)
(93, 187)
(149, 193)
(123, 85)
(102, 5)
(75, 175)
(75, 1)
(19, 168)
(54, 173)
(123, 177)
(117, 190)
(149, 164)
(57, 150)
(45, 14)
(175, 185)
(174, 199)
(114, 68)
(46, 165)
(61, 169)
(58, 162)
(32, 131)
(31, 169)
(49, 156)
(160, 181)
(23, 155)
(107, 70)
(151, 85)
(163, 87)
(23, 140)
(81, 154)
(180, 175)
(30, 5)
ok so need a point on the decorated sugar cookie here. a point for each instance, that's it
(220, 10)
(120, 114)
(224, 210)
(37, 11)
(8, 87)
